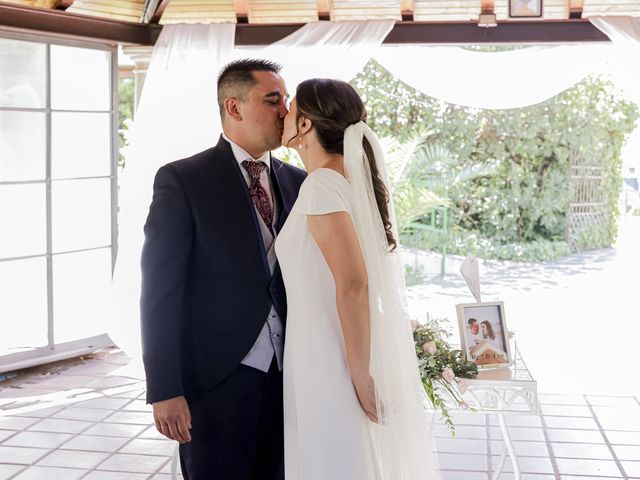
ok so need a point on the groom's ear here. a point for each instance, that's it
(232, 108)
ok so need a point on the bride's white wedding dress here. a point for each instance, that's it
(326, 430)
(327, 434)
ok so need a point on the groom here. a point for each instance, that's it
(213, 303)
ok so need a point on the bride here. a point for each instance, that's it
(353, 401)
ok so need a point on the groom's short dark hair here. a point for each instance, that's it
(236, 79)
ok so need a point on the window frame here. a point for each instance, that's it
(110, 47)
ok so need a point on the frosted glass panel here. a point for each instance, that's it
(80, 294)
(81, 214)
(22, 74)
(23, 303)
(23, 224)
(22, 146)
(80, 78)
(81, 144)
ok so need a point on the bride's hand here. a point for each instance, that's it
(365, 387)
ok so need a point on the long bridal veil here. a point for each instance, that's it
(403, 442)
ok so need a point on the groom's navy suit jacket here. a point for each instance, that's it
(206, 284)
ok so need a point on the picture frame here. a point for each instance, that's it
(525, 8)
(484, 337)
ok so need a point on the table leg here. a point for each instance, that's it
(507, 447)
(503, 457)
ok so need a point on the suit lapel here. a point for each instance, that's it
(285, 200)
(236, 187)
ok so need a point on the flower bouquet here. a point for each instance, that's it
(441, 365)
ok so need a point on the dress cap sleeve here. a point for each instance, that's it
(324, 191)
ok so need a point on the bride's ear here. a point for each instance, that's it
(305, 125)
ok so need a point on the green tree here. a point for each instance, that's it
(519, 209)
(126, 93)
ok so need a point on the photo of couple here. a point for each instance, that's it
(243, 251)
(483, 334)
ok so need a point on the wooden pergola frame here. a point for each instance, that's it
(55, 21)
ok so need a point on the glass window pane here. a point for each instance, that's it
(81, 283)
(23, 67)
(22, 146)
(23, 220)
(23, 308)
(80, 144)
(81, 214)
(80, 78)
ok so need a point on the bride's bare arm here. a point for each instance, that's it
(336, 236)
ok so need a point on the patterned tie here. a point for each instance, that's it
(258, 193)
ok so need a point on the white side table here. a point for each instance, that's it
(501, 392)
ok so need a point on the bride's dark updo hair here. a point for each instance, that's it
(332, 106)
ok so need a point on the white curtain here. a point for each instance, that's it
(177, 116)
(620, 30)
(624, 66)
(492, 80)
(324, 49)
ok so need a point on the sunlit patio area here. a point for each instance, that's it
(86, 418)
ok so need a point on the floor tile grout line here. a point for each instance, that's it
(607, 442)
(41, 419)
(550, 452)
(32, 464)
(76, 398)
(111, 454)
(74, 435)
(552, 441)
(164, 464)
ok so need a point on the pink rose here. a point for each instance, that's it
(429, 347)
(415, 325)
(448, 375)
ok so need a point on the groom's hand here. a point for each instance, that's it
(173, 418)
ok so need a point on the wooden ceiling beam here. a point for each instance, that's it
(487, 6)
(451, 33)
(47, 3)
(149, 10)
(324, 9)
(575, 8)
(242, 10)
(446, 33)
(157, 15)
(72, 24)
(406, 9)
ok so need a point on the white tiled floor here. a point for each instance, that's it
(95, 425)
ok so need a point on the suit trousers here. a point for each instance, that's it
(237, 429)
